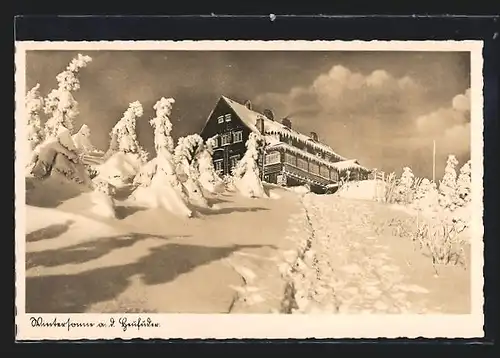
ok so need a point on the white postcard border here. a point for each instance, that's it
(216, 326)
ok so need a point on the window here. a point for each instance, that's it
(226, 139)
(218, 166)
(215, 142)
(228, 117)
(273, 158)
(238, 136)
(334, 175)
(233, 160)
(314, 168)
(290, 159)
(324, 172)
(220, 119)
(302, 164)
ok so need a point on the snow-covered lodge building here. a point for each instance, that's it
(292, 158)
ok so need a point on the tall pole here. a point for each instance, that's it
(434, 161)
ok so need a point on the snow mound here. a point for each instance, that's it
(301, 189)
(120, 169)
(364, 190)
(52, 191)
(274, 196)
(250, 186)
(161, 194)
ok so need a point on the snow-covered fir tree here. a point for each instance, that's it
(125, 156)
(405, 184)
(158, 184)
(60, 105)
(464, 185)
(123, 135)
(448, 185)
(187, 154)
(34, 104)
(209, 179)
(246, 172)
(426, 197)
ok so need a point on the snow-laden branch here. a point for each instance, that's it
(60, 104)
(162, 125)
(34, 104)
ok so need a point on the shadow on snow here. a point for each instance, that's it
(75, 293)
(49, 232)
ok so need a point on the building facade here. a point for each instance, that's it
(292, 158)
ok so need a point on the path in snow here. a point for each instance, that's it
(344, 266)
(151, 261)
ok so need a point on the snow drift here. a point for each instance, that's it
(120, 168)
(52, 191)
(363, 190)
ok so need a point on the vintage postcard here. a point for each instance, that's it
(249, 189)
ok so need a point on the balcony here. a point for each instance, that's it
(304, 175)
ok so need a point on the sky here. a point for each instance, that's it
(382, 108)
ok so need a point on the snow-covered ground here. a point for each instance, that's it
(345, 263)
(364, 190)
(234, 256)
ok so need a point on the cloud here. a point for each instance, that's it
(449, 126)
(353, 112)
(342, 91)
(379, 118)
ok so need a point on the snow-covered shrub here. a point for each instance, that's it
(464, 185)
(426, 197)
(390, 193)
(448, 185)
(159, 185)
(60, 105)
(102, 199)
(246, 172)
(442, 240)
(209, 179)
(59, 155)
(146, 174)
(70, 165)
(228, 181)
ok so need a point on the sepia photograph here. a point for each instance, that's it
(308, 179)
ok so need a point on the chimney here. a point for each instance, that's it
(260, 124)
(248, 104)
(314, 136)
(269, 114)
(287, 123)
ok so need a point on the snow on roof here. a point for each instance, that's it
(348, 165)
(249, 117)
